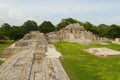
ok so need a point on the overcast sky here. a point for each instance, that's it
(16, 12)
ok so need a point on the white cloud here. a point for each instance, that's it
(10, 14)
(16, 12)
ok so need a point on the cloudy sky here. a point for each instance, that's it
(16, 12)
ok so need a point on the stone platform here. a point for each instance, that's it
(32, 59)
(103, 52)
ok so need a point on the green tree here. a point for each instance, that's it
(29, 26)
(1, 34)
(113, 32)
(102, 29)
(88, 26)
(5, 28)
(46, 27)
(16, 33)
(94, 30)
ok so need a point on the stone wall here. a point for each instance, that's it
(52, 37)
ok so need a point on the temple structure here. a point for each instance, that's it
(34, 57)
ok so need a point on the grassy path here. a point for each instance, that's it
(80, 65)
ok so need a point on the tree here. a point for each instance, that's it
(87, 26)
(94, 30)
(5, 27)
(16, 33)
(102, 29)
(5, 30)
(46, 27)
(2, 36)
(113, 32)
(65, 22)
(29, 26)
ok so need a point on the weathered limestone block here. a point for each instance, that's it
(21, 44)
(70, 36)
(32, 39)
(32, 35)
(52, 37)
(75, 26)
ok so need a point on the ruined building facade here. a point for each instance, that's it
(73, 33)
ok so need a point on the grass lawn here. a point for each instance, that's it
(81, 65)
(3, 45)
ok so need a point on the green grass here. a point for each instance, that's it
(3, 45)
(81, 65)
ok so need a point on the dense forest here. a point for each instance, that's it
(16, 32)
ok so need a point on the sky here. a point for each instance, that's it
(16, 12)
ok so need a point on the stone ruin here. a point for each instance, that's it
(34, 57)
(74, 33)
(116, 41)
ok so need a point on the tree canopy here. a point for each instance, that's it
(46, 27)
(29, 26)
(4, 31)
(16, 32)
